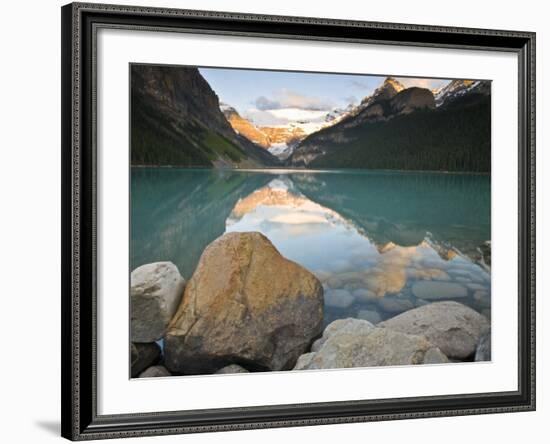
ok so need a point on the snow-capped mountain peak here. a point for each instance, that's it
(454, 89)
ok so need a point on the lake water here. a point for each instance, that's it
(380, 242)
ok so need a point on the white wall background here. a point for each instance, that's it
(30, 221)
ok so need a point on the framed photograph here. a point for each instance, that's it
(280, 221)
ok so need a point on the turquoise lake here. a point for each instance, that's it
(380, 242)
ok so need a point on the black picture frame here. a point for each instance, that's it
(79, 396)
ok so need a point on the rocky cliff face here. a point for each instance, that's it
(244, 127)
(379, 124)
(410, 100)
(284, 134)
(278, 140)
(458, 88)
(386, 91)
(176, 120)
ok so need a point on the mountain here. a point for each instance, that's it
(283, 138)
(457, 88)
(280, 140)
(338, 114)
(176, 120)
(403, 128)
(245, 127)
(386, 91)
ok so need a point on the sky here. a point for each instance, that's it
(279, 97)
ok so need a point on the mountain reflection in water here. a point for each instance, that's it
(380, 242)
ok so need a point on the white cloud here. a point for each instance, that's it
(296, 114)
(286, 98)
(283, 116)
(263, 118)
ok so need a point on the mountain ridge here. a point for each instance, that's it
(176, 120)
(454, 136)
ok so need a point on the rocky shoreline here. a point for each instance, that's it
(246, 308)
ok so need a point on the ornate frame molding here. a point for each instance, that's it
(79, 413)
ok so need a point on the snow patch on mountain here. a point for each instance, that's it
(454, 89)
(281, 150)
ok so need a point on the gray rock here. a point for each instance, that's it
(155, 371)
(155, 293)
(431, 290)
(338, 298)
(483, 350)
(364, 295)
(357, 343)
(485, 250)
(435, 356)
(232, 368)
(451, 326)
(143, 356)
(395, 304)
(339, 324)
(304, 361)
(316, 345)
(369, 315)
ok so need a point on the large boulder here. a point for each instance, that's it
(357, 343)
(451, 326)
(143, 356)
(244, 304)
(155, 293)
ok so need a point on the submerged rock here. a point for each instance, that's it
(244, 303)
(338, 298)
(357, 343)
(155, 293)
(155, 371)
(364, 295)
(451, 326)
(232, 368)
(427, 274)
(391, 279)
(483, 350)
(431, 290)
(369, 315)
(143, 356)
(395, 303)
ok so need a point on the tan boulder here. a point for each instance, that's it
(244, 304)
